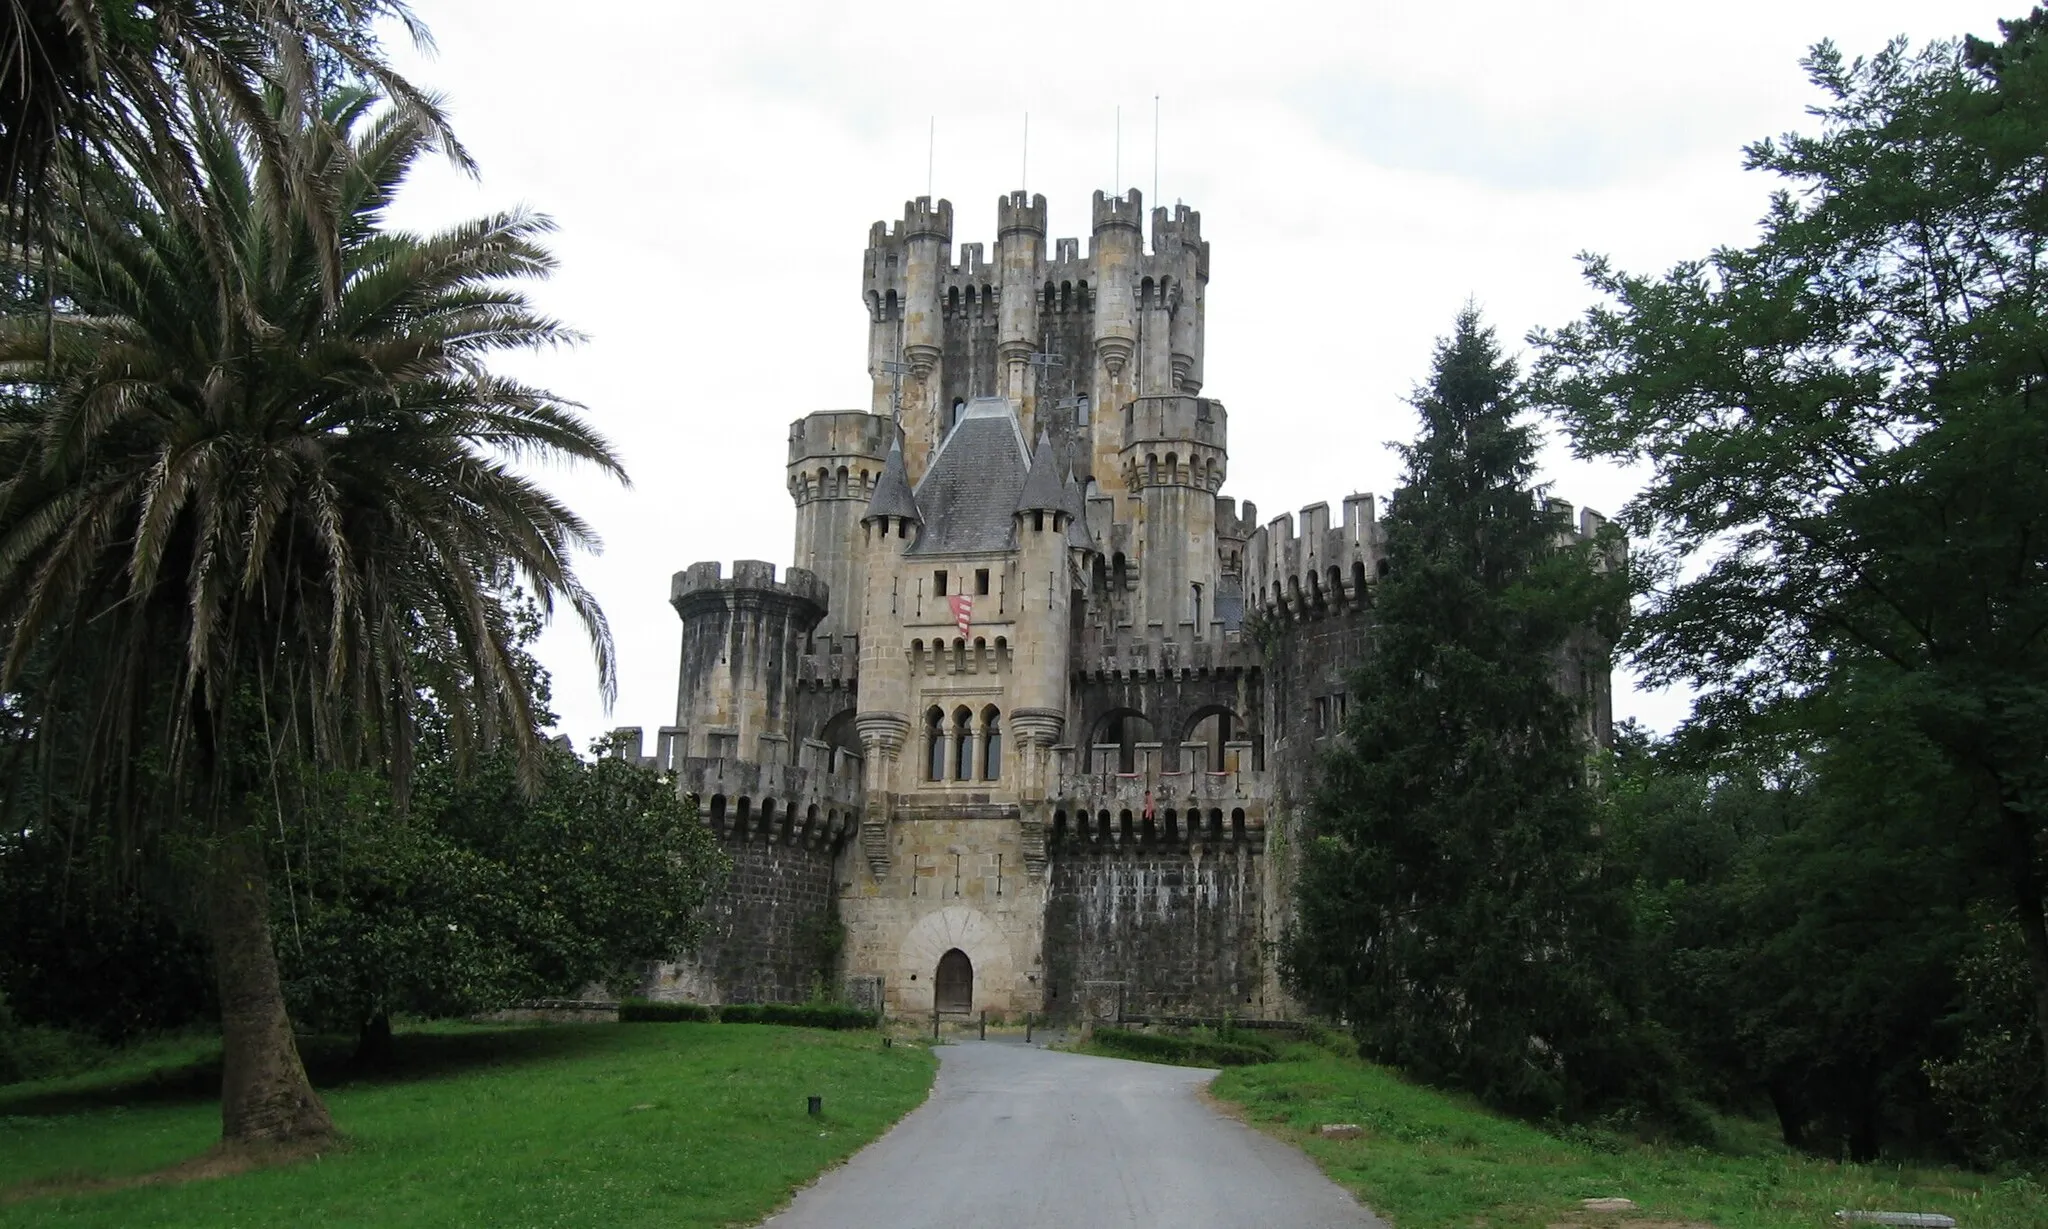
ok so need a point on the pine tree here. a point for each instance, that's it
(1450, 903)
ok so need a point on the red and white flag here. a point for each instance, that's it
(963, 612)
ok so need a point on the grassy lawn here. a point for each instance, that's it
(599, 1124)
(1432, 1161)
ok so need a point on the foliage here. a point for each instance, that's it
(251, 516)
(1184, 1049)
(38, 1052)
(1433, 1160)
(556, 1125)
(1797, 933)
(645, 1011)
(1452, 905)
(1994, 1090)
(1845, 526)
(800, 1015)
(483, 894)
(91, 86)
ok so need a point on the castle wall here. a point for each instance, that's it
(1165, 930)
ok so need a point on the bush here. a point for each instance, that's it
(1185, 1050)
(799, 1015)
(641, 1011)
(35, 1052)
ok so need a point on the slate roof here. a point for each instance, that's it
(892, 495)
(969, 492)
(1043, 490)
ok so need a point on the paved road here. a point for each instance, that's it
(1018, 1136)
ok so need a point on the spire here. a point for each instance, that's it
(1042, 489)
(892, 495)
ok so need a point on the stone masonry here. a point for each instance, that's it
(1034, 692)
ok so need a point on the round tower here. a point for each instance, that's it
(742, 638)
(1173, 463)
(1020, 251)
(835, 459)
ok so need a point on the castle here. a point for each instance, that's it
(1028, 724)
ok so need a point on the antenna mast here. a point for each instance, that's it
(1117, 177)
(931, 144)
(1156, 202)
(1024, 171)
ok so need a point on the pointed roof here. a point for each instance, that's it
(1043, 491)
(892, 495)
(969, 490)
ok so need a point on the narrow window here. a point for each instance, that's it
(1195, 604)
(938, 584)
(991, 746)
(963, 746)
(1322, 714)
(981, 581)
(1081, 410)
(935, 742)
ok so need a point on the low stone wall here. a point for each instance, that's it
(773, 933)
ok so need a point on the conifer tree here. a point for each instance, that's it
(1450, 904)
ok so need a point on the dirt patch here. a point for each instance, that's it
(1229, 1109)
(219, 1161)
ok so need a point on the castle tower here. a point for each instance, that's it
(835, 458)
(1020, 255)
(741, 642)
(1173, 463)
(903, 274)
(890, 525)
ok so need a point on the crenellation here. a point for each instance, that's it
(1035, 691)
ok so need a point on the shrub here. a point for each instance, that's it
(35, 1052)
(799, 1015)
(1182, 1049)
(641, 1011)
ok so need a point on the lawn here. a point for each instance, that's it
(1431, 1161)
(598, 1124)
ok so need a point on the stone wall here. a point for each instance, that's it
(773, 935)
(1169, 931)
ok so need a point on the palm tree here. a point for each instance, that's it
(243, 532)
(108, 83)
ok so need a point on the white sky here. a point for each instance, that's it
(1361, 170)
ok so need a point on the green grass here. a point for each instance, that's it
(598, 1125)
(1428, 1160)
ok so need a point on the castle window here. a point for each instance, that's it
(1195, 605)
(963, 746)
(953, 414)
(991, 745)
(1322, 714)
(1081, 410)
(938, 584)
(981, 581)
(935, 745)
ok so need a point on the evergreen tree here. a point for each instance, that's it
(1451, 905)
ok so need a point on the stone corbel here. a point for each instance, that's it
(881, 738)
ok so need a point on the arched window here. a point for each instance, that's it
(953, 983)
(935, 745)
(953, 415)
(963, 745)
(991, 745)
(1081, 410)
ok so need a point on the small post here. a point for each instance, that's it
(984, 1024)
(817, 1106)
(1027, 1028)
(935, 1024)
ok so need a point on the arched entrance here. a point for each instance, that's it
(953, 986)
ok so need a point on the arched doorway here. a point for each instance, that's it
(953, 986)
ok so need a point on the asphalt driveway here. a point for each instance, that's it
(1014, 1135)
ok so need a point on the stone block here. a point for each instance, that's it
(1340, 1130)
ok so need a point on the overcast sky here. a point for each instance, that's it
(1361, 170)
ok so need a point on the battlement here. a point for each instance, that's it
(1320, 569)
(1180, 230)
(1159, 651)
(701, 581)
(837, 434)
(1016, 212)
(1127, 210)
(922, 219)
(1170, 418)
(1229, 524)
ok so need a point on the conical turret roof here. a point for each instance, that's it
(1042, 489)
(892, 495)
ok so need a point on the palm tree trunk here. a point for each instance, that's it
(264, 1093)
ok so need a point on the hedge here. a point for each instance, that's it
(801, 1015)
(1187, 1051)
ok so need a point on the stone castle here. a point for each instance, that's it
(1028, 724)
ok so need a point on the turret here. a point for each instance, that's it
(903, 279)
(741, 642)
(1119, 242)
(1173, 463)
(835, 458)
(1020, 250)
